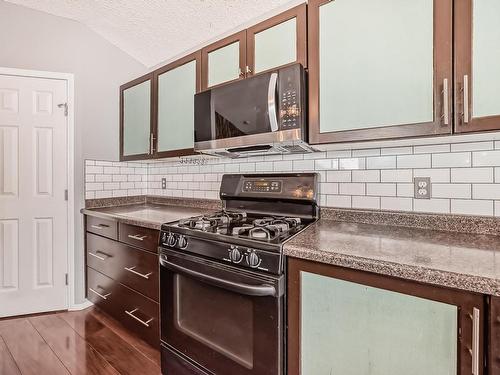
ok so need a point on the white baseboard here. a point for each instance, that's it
(80, 306)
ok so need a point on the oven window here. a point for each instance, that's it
(220, 319)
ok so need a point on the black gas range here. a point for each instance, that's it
(222, 277)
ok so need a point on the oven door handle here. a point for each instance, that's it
(247, 289)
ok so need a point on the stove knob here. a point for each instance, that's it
(182, 242)
(253, 260)
(171, 240)
(235, 255)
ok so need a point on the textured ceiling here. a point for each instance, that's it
(153, 31)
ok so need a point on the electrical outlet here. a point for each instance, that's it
(422, 186)
(163, 183)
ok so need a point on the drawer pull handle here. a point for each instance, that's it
(97, 256)
(132, 270)
(144, 323)
(137, 237)
(99, 294)
(99, 226)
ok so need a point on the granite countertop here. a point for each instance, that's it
(149, 215)
(466, 261)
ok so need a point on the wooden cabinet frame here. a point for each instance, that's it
(196, 56)
(465, 301)
(463, 67)
(298, 12)
(238, 37)
(135, 82)
(494, 335)
(442, 70)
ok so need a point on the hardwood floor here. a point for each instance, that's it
(79, 342)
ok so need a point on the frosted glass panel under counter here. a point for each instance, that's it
(486, 58)
(137, 119)
(353, 329)
(176, 89)
(276, 46)
(376, 63)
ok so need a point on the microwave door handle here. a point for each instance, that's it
(271, 102)
(241, 288)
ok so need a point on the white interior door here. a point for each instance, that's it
(33, 208)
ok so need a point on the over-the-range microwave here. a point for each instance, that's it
(263, 114)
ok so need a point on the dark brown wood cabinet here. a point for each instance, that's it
(335, 313)
(494, 336)
(361, 89)
(477, 107)
(278, 41)
(123, 275)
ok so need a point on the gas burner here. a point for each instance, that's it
(217, 222)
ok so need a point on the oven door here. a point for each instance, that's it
(225, 320)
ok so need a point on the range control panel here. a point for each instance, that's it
(263, 186)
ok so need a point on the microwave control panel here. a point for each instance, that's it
(291, 84)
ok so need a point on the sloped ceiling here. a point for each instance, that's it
(154, 31)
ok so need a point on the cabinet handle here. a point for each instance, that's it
(151, 144)
(446, 114)
(97, 256)
(136, 237)
(144, 323)
(99, 294)
(99, 226)
(475, 317)
(248, 70)
(132, 270)
(466, 99)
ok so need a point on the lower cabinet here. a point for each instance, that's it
(123, 281)
(494, 336)
(342, 321)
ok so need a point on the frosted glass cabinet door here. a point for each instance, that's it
(224, 60)
(136, 119)
(175, 125)
(349, 322)
(278, 41)
(379, 68)
(477, 45)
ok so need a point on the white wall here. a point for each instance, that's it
(34, 40)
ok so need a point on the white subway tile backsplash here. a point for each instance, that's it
(463, 191)
(364, 202)
(435, 174)
(414, 161)
(472, 207)
(472, 175)
(381, 162)
(396, 204)
(452, 160)
(352, 163)
(349, 188)
(338, 176)
(396, 175)
(465, 176)
(366, 176)
(485, 158)
(438, 206)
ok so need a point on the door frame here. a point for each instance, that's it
(70, 91)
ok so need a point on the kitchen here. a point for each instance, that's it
(253, 187)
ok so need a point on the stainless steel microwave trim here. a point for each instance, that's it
(289, 135)
(271, 102)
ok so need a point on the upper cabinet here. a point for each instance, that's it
(379, 69)
(278, 41)
(136, 119)
(176, 85)
(477, 61)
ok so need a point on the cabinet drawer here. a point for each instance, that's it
(102, 227)
(135, 268)
(139, 314)
(101, 290)
(144, 238)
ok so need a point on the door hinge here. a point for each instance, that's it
(65, 106)
(66, 194)
(66, 279)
